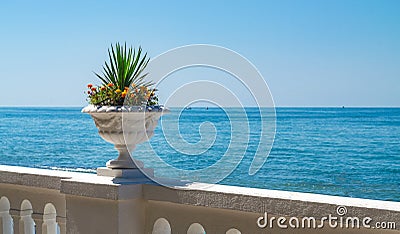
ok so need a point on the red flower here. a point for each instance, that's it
(93, 89)
(89, 86)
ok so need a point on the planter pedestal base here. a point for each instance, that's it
(125, 173)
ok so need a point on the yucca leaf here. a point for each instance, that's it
(125, 67)
(112, 65)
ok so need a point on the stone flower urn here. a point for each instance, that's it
(125, 127)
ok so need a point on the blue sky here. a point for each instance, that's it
(311, 53)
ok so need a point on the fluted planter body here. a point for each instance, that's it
(125, 128)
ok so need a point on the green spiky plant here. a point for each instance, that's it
(123, 76)
(124, 67)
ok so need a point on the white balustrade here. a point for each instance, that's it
(26, 223)
(87, 203)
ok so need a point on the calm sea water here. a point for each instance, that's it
(351, 152)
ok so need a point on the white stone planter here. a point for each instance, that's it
(125, 127)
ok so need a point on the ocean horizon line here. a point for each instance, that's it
(283, 106)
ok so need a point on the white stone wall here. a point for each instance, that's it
(47, 201)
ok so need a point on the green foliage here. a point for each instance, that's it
(125, 67)
(123, 81)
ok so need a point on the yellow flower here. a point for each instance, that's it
(123, 94)
(118, 91)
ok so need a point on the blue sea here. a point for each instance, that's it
(353, 152)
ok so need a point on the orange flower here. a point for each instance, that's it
(123, 94)
(110, 85)
(89, 86)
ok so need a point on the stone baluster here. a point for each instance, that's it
(5, 217)
(26, 223)
(50, 225)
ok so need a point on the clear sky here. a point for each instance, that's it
(311, 53)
